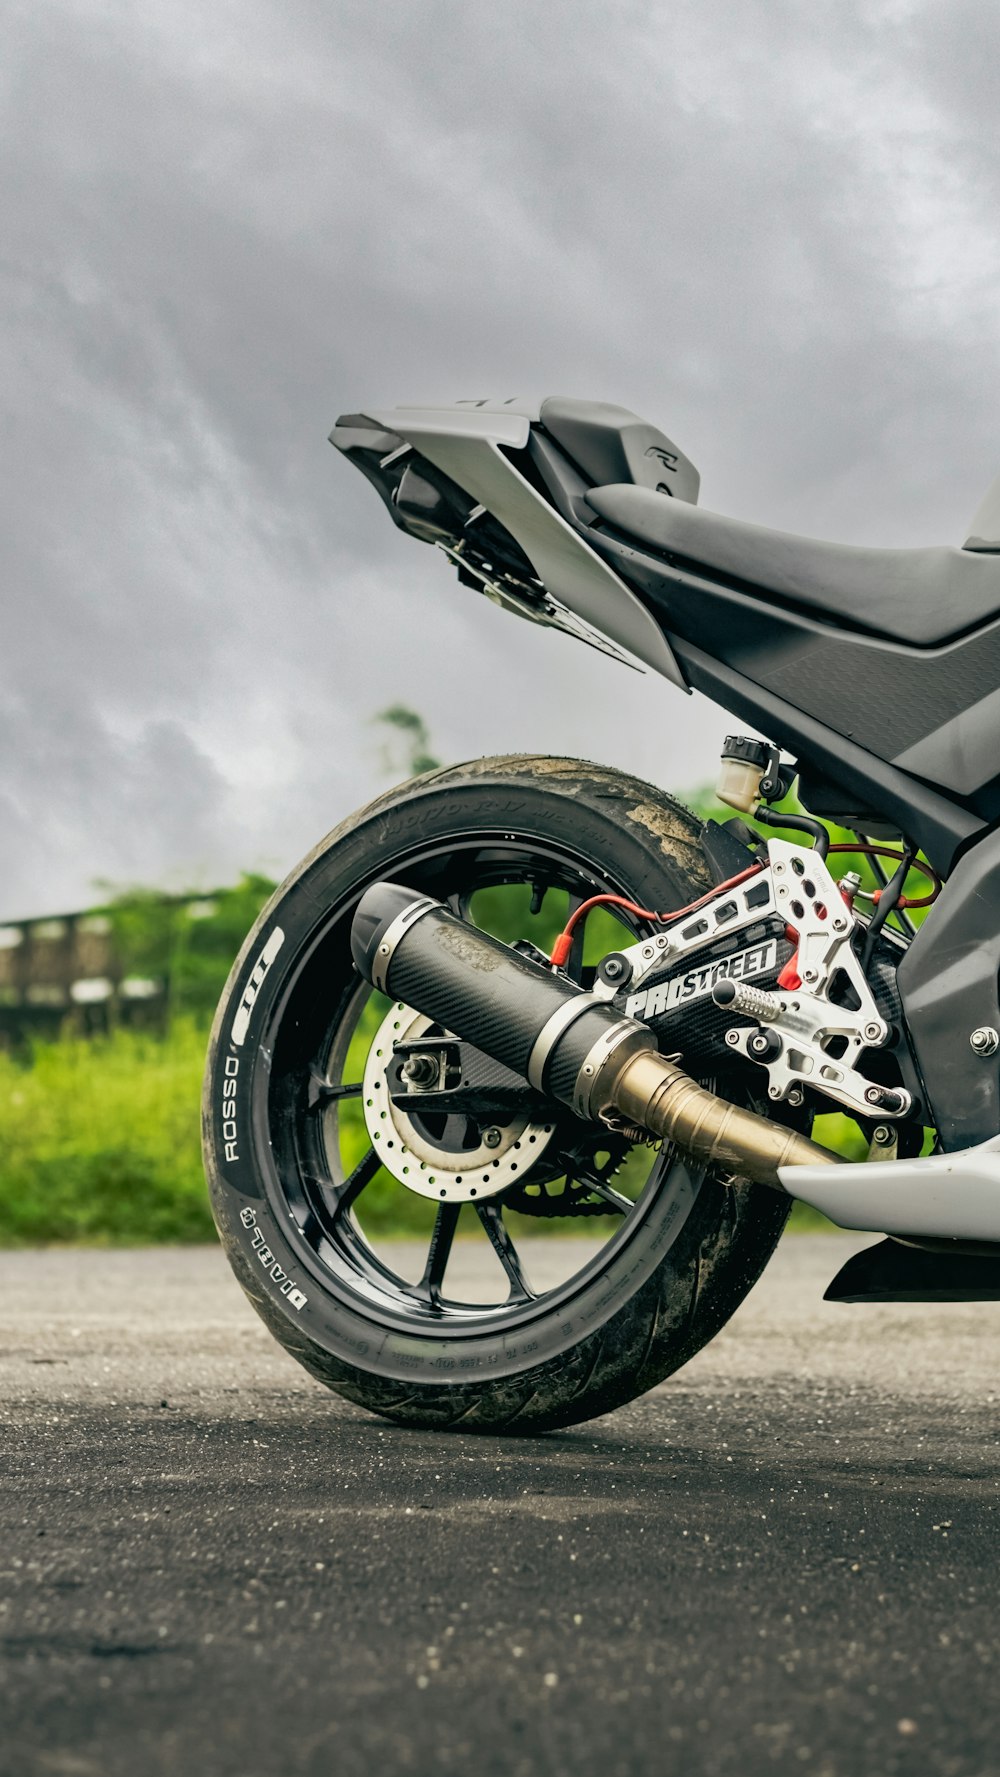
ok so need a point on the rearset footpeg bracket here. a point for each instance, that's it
(804, 1024)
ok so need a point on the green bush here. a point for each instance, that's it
(99, 1140)
(187, 942)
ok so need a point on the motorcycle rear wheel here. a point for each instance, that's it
(300, 1199)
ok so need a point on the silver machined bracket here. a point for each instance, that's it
(809, 900)
(797, 886)
(732, 911)
(802, 1027)
(804, 1023)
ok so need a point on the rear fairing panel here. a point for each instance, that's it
(932, 713)
(476, 446)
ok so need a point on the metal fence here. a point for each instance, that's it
(68, 973)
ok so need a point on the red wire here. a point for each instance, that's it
(563, 944)
(888, 851)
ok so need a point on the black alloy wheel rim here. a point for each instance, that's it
(298, 1100)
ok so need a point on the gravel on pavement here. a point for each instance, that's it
(783, 1559)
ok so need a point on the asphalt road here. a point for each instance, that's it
(785, 1560)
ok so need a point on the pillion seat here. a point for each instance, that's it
(920, 597)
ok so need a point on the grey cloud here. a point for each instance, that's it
(768, 227)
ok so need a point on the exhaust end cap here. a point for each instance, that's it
(384, 912)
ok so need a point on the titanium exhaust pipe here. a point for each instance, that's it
(564, 1042)
(661, 1097)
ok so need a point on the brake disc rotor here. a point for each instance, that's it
(437, 1165)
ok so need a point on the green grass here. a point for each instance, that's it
(99, 1141)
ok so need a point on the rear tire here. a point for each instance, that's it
(683, 1258)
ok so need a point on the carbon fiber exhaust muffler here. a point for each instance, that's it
(564, 1042)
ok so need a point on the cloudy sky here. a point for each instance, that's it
(768, 226)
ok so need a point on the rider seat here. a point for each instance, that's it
(919, 597)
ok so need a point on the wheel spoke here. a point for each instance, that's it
(601, 1188)
(322, 1092)
(440, 1250)
(346, 1195)
(502, 1244)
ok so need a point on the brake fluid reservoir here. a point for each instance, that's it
(744, 762)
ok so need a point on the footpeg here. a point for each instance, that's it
(750, 1002)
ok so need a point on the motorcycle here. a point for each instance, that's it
(526, 994)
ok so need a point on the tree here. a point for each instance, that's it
(185, 944)
(405, 750)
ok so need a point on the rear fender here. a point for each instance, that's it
(472, 444)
